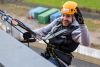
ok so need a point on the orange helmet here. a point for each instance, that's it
(69, 7)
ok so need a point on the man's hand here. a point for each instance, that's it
(79, 17)
(28, 36)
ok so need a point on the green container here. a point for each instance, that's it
(45, 17)
(39, 12)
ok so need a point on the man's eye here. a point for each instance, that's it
(63, 15)
(66, 15)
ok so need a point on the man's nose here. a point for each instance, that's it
(65, 18)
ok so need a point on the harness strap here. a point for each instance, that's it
(57, 33)
(52, 54)
(52, 33)
(51, 50)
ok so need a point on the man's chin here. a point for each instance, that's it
(66, 24)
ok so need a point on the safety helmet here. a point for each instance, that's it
(69, 7)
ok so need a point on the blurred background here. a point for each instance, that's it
(31, 12)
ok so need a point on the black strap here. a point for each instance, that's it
(54, 53)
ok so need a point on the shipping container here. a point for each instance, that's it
(55, 15)
(33, 10)
(45, 17)
(40, 11)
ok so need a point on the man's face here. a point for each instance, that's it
(66, 19)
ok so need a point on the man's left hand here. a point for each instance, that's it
(79, 17)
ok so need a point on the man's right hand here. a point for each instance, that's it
(28, 36)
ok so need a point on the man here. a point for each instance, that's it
(64, 35)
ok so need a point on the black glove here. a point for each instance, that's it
(28, 36)
(79, 17)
